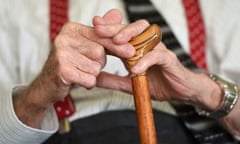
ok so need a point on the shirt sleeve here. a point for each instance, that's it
(13, 131)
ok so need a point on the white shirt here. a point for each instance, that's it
(24, 47)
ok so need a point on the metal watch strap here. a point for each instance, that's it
(230, 97)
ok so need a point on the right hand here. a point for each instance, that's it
(77, 57)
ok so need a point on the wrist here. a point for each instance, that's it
(229, 98)
(27, 110)
(212, 96)
(205, 93)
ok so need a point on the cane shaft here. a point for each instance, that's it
(146, 125)
(144, 43)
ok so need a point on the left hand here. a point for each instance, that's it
(168, 78)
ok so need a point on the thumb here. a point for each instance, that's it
(113, 16)
(115, 82)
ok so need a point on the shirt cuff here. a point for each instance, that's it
(13, 131)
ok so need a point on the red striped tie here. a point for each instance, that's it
(58, 17)
(196, 32)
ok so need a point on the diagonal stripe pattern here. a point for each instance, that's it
(58, 16)
(196, 32)
(144, 9)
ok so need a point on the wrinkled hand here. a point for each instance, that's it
(78, 55)
(162, 76)
(168, 78)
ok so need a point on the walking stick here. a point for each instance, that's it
(143, 44)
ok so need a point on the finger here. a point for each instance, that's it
(71, 75)
(97, 20)
(110, 81)
(83, 63)
(79, 33)
(121, 33)
(159, 55)
(108, 31)
(77, 44)
(123, 51)
(91, 50)
(124, 33)
(113, 16)
(129, 31)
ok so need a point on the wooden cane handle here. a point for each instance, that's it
(143, 44)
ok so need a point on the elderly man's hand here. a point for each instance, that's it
(77, 57)
(168, 78)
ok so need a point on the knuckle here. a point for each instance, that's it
(98, 69)
(144, 22)
(172, 55)
(90, 83)
(84, 79)
(63, 40)
(171, 58)
(59, 40)
(68, 26)
(139, 26)
(99, 51)
(157, 55)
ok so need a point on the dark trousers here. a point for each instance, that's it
(120, 127)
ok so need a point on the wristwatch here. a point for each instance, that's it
(230, 98)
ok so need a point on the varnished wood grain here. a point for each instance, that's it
(143, 44)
